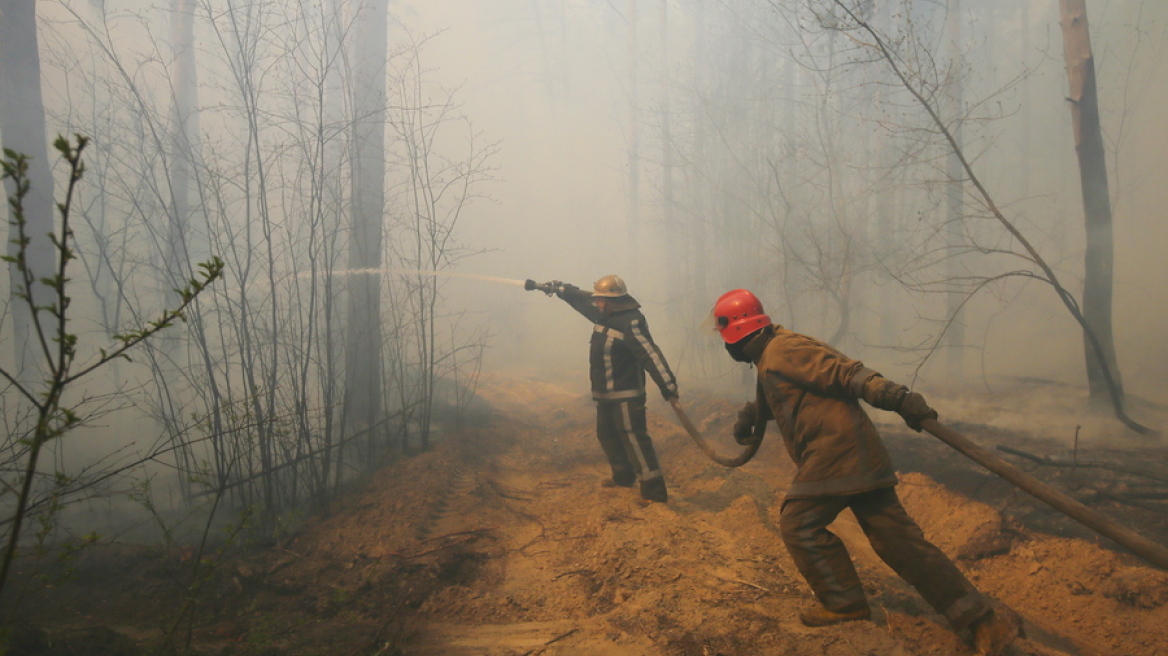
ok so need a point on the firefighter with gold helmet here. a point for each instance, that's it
(622, 350)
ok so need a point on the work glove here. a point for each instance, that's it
(744, 427)
(915, 410)
(882, 393)
(669, 393)
(564, 289)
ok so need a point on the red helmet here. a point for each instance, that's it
(737, 314)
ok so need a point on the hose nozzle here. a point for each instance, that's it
(549, 288)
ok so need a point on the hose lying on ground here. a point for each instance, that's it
(737, 461)
(1092, 519)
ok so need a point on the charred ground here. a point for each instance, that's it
(501, 541)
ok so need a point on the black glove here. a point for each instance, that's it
(670, 393)
(744, 427)
(563, 289)
(915, 410)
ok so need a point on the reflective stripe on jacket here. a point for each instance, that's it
(811, 392)
(621, 351)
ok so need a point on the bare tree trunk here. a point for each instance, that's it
(675, 238)
(666, 128)
(1099, 259)
(548, 78)
(955, 195)
(793, 75)
(634, 190)
(1027, 104)
(176, 251)
(22, 126)
(696, 193)
(330, 359)
(183, 135)
(363, 345)
(884, 204)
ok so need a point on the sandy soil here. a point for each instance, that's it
(501, 541)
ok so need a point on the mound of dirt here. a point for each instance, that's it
(502, 541)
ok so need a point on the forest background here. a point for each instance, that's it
(376, 178)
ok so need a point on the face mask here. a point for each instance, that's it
(737, 351)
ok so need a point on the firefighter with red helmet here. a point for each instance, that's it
(812, 392)
(622, 350)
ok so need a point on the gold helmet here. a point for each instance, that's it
(609, 287)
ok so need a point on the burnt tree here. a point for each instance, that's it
(1099, 256)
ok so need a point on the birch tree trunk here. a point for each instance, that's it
(1099, 257)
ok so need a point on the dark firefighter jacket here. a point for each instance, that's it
(622, 349)
(812, 392)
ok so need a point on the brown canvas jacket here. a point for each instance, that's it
(811, 391)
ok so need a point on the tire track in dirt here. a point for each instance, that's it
(451, 506)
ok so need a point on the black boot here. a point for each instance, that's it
(622, 476)
(654, 490)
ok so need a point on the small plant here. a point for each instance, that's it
(57, 347)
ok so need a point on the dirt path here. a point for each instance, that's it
(566, 566)
(502, 542)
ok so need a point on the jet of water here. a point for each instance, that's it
(420, 272)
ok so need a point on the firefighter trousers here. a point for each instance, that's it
(824, 563)
(624, 437)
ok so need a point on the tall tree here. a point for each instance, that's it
(666, 129)
(1099, 258)
(363, 355)
(955, 191)
(183, 133)
(633, 197)
(923, 85)
(22, 128)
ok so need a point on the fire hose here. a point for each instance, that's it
(695, 434)
(555, 286)
(1096, 521)
(1134, 542)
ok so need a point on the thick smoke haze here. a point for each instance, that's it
(560, 211)
(753, 144)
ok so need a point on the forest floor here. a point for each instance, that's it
(501, 541)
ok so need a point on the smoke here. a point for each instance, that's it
(719, 162)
